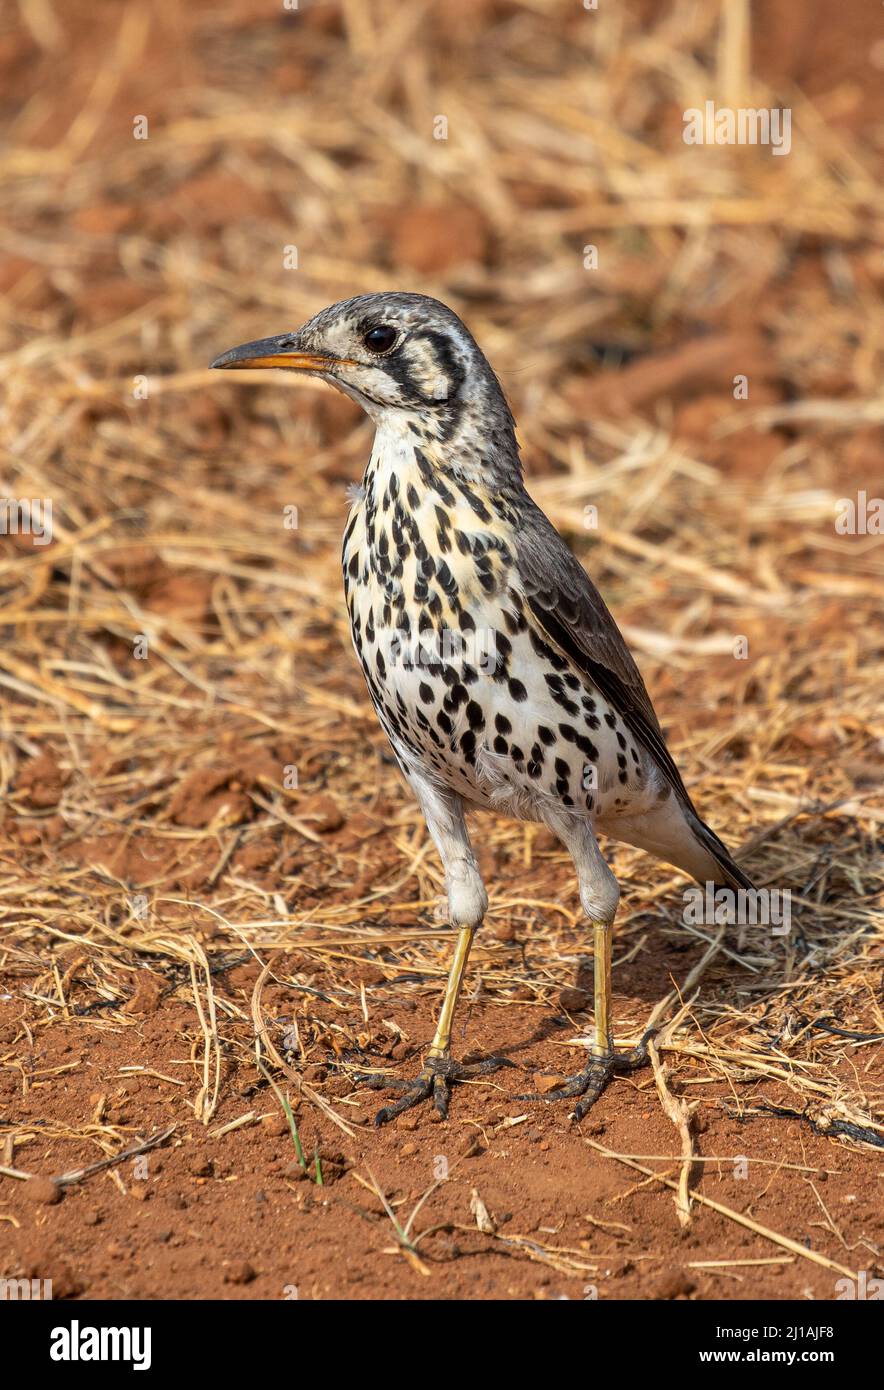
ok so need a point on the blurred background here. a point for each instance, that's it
(184, 739)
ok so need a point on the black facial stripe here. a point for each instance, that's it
(446, 358)
(400, 368)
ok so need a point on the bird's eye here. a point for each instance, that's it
(381, 338)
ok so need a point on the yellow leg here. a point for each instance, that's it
(603, 1062)
(439, 1071)
(604, 1035)
(442, 1039)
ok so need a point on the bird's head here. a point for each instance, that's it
(407, 360)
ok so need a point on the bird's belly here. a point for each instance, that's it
(480, 705)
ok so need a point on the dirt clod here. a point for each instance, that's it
(43, 1192)
(546, 1081)
(574, 999)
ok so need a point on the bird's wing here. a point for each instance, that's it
(571, 613)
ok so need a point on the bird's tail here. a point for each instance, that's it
(731, 873)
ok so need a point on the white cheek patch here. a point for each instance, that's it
(427, 374)
(438, 387)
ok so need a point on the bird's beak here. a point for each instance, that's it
(282, 351)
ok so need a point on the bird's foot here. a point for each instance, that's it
(434, 1080)
(592, 1080)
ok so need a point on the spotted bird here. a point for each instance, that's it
(494, 666)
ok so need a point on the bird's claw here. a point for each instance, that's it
(592, 1080)
(435, 1080)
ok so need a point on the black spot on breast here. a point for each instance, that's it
(433, 478)
(556, 689)
(446, 579)
(475, 717)
(476, 503)
(456, 698)
(468, 745)
(502, 645)
(517, 690)
(511, 620)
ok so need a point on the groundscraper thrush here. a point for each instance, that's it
(497, 672)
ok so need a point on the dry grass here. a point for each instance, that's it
(157, 828)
